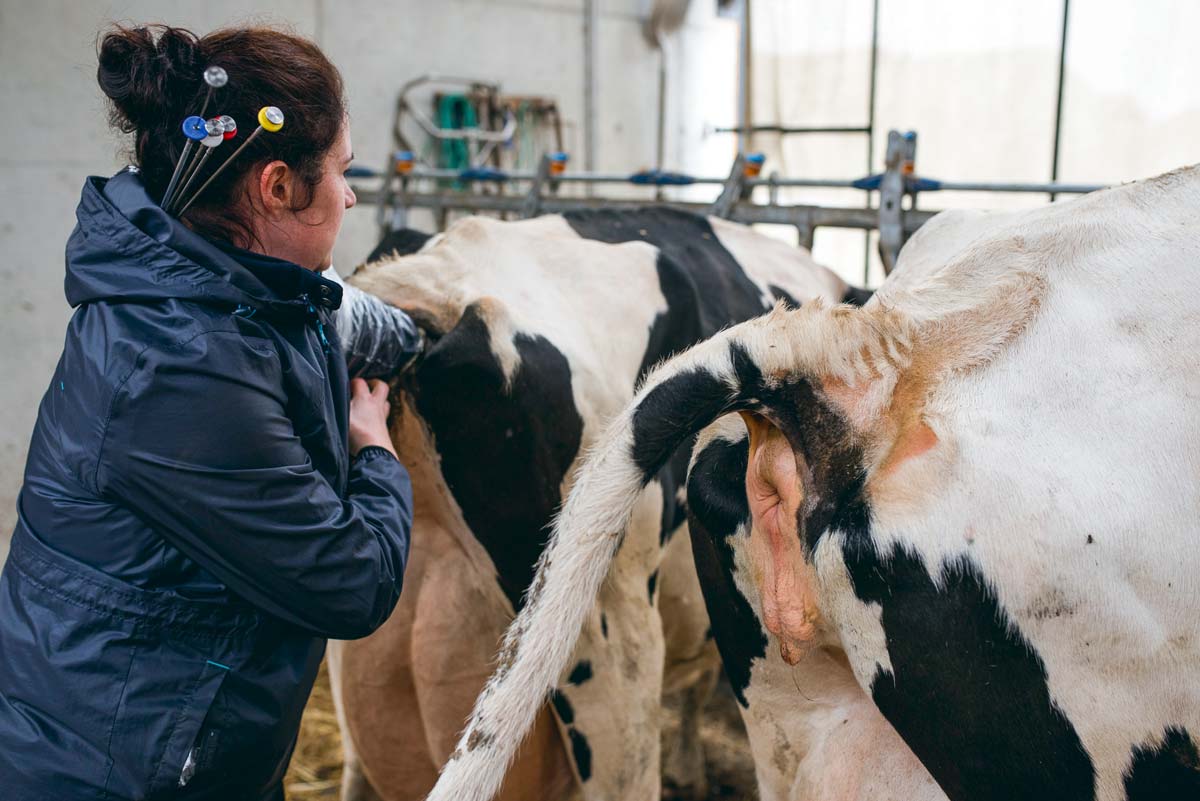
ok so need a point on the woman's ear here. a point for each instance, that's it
(275, 190)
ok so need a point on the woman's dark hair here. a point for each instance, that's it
(153, 78)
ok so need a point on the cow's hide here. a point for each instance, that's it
(981, 488)
(541, 330)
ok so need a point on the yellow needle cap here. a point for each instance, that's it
(270, 118)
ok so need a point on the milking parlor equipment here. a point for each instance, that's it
(405, 185)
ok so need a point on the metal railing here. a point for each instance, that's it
(405, 185)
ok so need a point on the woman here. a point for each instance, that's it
(206, 500)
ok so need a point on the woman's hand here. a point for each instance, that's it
(369, 409)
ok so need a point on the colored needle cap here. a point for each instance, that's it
(229, 127)
(216, 133)
(193, 128)
(270, 118)
(216, 77)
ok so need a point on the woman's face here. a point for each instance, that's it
(306, 237)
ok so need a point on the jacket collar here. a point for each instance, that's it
(124, 247)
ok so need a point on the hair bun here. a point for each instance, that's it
(146, 70)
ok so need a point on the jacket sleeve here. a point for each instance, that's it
(379, 340)
(200, 445)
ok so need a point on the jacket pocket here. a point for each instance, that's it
(159, 719)
(184, 750)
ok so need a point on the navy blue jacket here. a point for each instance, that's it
(191, 527)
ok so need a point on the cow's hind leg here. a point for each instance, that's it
(692, 667)
(683, 764)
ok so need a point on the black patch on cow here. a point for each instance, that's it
(582, 672)
(675, 410)
(671, 411)
(504, 451)
(401, 242)
(562, 707)
(604, 625)
(582, 752)
(717, 506)
(967, 693)
(651, 584)
(1167, 772)
(782, 294)
(856, 296)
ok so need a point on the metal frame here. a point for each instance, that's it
(480, 141)
(409, 187)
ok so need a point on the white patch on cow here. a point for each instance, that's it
(769, 262)
(857, 623)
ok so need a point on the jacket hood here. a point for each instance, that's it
(124, 247)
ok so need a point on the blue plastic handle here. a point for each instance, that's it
(911, 183)
(660, 178)
(193, 128)
(869, 182)
(482, 174)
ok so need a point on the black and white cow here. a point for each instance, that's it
(540, 331)
(979, 492)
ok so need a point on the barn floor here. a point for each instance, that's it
(316, 770)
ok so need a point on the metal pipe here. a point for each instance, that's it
(822, 183)
(871, 126)
(591, 47)
(784, 129)
(984, 186)
(741, 211)
(825, 183)
(745, 84)
(528, 175)
(660, 145)
(611, 178)
(1062, 68)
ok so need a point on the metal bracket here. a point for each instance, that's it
(898, 166)
(733, 189)
(532, 204)
(391, 214)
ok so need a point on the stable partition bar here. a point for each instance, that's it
(742, 211)
(815, 183)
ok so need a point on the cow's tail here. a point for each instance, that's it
(726, 373)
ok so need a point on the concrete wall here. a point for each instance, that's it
(54, 134)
